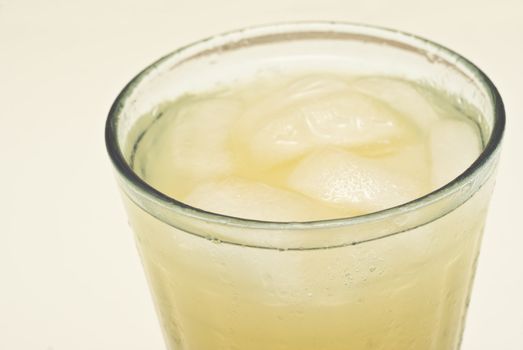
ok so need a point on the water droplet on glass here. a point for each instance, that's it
(431, 57)
(216, 240)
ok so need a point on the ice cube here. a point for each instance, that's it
(199, 136)
(194, 146)
(400, 95)
(454, 144)
(296, 90)
(362, 184)
(313, 86)
(238, 197)
(271, 133)
(346, 118)
(283, 138)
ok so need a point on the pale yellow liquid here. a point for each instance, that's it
(302, 148)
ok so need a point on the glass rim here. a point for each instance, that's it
(421, 44)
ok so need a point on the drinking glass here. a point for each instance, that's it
(399, 278)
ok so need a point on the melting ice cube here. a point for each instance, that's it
(313, 86)
(198, 139)
(346, 118)
(193, 147)
(238, 197)
(400, 95)
(339, 177)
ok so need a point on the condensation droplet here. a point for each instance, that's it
(215, 240)
(431, 57)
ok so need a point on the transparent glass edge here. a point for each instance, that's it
(148, 193)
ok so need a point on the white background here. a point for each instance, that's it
(70, 277)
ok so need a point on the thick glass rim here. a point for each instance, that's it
(412, 41)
